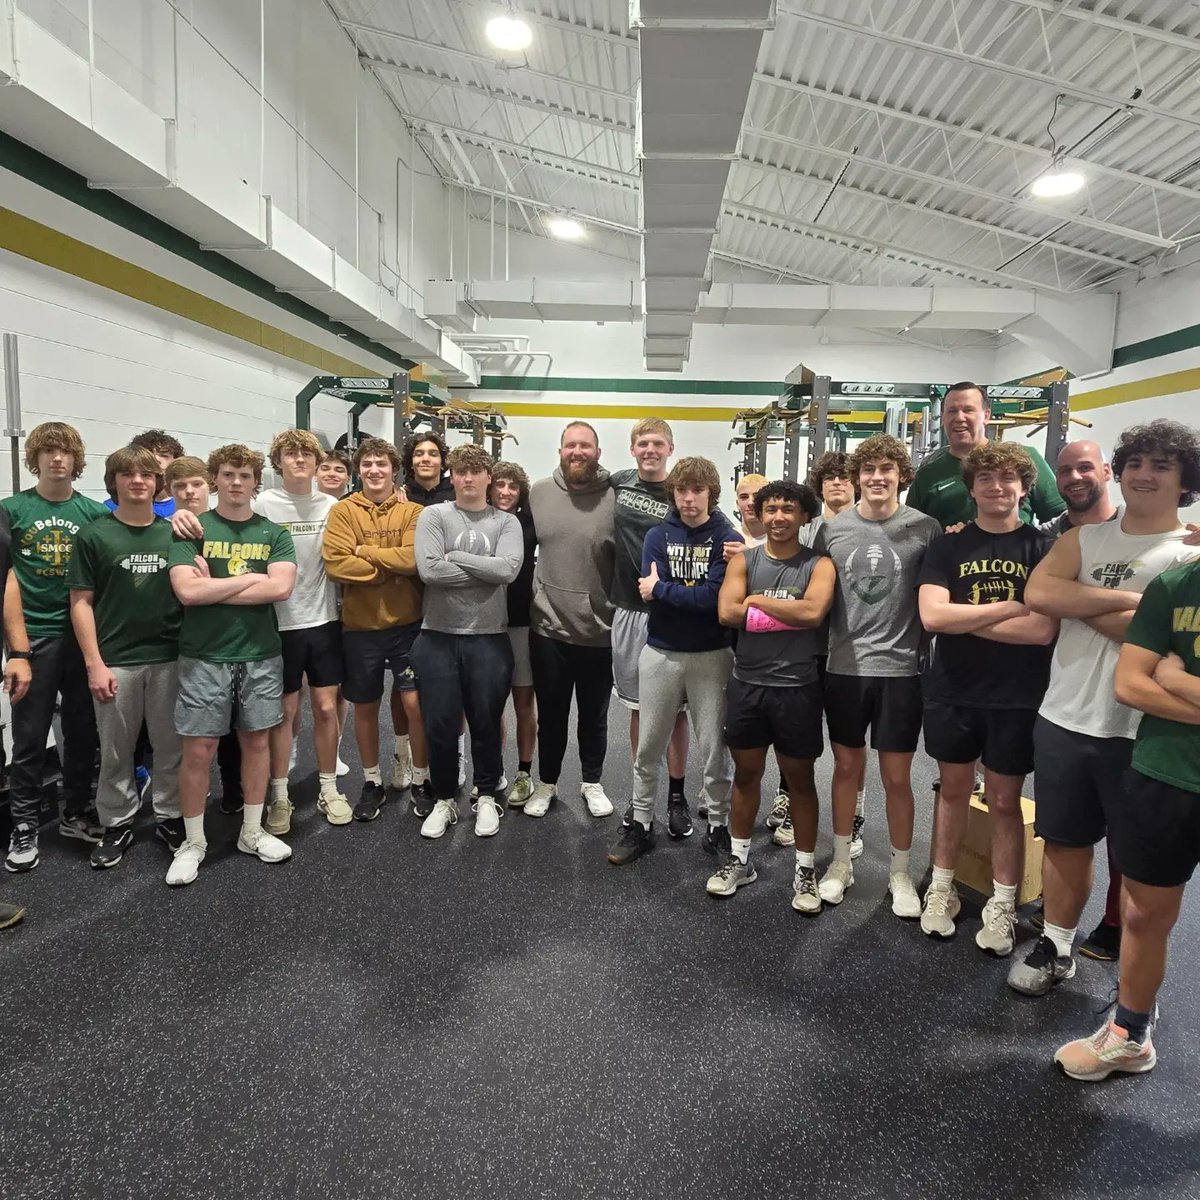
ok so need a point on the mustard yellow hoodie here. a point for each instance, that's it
(380, 588)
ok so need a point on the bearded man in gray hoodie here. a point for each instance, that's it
(570, 638)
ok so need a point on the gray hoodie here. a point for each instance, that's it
(576, 553)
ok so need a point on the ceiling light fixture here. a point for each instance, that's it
(509, 33)
(1056, 182)
(567, 228)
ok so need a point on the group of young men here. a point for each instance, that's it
(1011, 613)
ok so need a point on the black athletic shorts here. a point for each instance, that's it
(960, 733)
(369, 653)
(1154, 831)
(889, 707)
(1077, 779)
(315, 652)
(788, 718)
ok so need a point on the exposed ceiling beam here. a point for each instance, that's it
(1081, 92)
(487, 62)
(536, 18)
(1041, 210)
(1119, 24)
(475, 89)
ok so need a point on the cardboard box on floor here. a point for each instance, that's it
(974, 868)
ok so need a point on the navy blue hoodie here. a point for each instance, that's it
(691, 569)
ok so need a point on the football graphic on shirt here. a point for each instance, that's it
(872, 572)
(472, 541)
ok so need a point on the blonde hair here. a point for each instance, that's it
(649, 425)
(236, 455)
(55, 435)
(294, 439)
(187, 466)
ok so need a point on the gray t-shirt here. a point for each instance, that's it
(466, 561)
(781, 658)
(874, 629)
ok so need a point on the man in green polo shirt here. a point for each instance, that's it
(938, 489)
(45, 521)
(127, 619)
(229, 580)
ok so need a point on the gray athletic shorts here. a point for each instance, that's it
(629, 630)
(522, 675)
(213, 695)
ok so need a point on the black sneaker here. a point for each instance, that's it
(716, 841)
(231, 800)
(22, 849)
(82, 827)
(633, 841)
(169, 831)
(10, 915)
(702, 812)
(627, 818)
(422, 799)
(679, 819)
(113, 844)
(370, 802)
(1103, 944)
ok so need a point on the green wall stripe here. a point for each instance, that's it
(23, 160)
(662, 387)
(1155, 347)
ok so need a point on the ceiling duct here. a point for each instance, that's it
(698, 59)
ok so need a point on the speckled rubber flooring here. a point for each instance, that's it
(386, 1017)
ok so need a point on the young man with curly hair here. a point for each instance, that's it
(467, 554)
(687, 657)
(45, 521)
(990, 667)
(333, 473)
(423, 466)
(369, 550)
(1092, 581)
(229, 580)
(871, 680)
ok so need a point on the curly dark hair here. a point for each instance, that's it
(800, 494)
(832, 462)
(518, 475)
(410, 445)
(1169, 439)
(159, 441)
(877, 446)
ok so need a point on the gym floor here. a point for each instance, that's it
(384, 1016)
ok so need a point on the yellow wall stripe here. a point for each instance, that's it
(1140, 389)
(52, 248)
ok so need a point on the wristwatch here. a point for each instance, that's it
(25, 654)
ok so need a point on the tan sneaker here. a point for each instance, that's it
(1107, 1050)
(838, 877)
(278, 819)
(942, 905)
(336, 808)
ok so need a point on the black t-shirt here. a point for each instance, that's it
(520, 591)
(977, 567)
(640, 506)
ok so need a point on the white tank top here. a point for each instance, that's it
(1080, 696)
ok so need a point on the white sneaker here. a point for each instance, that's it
(785, 834)
(942, 905)
(402, 773)
(185, 865)
(905, 901)
(780, 807)
(805, 896)
(264, 846)
(522, 789)
(336, 808)
(278, 818)
(538, 804)
(835, 881)
(999, 933)
(599, 805)
(445, 814)
(342, 768)
(487, 816)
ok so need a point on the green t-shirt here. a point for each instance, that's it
(43, 537)
(125, 567)
(939, 491)
(228, 633)
(1168, 619)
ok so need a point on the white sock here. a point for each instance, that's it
(279, 789)
(841, 848)
(860, 804)
(403, 753)
(1005, 893)
(806, 858)
(1063, 939)
(372, 775)
(644, 824)
(717, 824)
(943, 878)
(741, 849)
(900, 859)
(327, 781)
(462, 746)
(252, 815)
(420, 776)
(193, 830)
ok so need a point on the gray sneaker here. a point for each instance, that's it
(1042, 969)
(805, 897)
(731, 875)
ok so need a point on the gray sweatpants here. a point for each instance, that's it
(145, 693)
(666, 680)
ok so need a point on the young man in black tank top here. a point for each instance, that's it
(777, 595)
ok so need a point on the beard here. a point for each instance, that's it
(581, 472)
(1082, 503)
